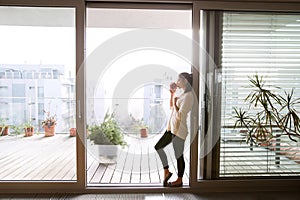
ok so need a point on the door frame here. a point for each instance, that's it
(207, 167)
(159, 6)
(196, 186)
(56, 186)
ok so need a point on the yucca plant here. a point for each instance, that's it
(273, 112)
(289, 121)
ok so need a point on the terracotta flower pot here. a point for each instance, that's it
(29, 131)
(144, 132)
(72, 132)
(5, 131)
(49, 130)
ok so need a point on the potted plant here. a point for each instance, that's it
(142, 127)
(270, 115)
(49, 124)
(135, 126)
(143, 130)
(28, 129)
(17, 129)
(107, 136)
(72, 132)
(3, 127)
(72, 129)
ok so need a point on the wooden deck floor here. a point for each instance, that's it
(54, 159)
(138, 163)
(37, 158)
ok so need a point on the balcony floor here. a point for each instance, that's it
(138, 163)
(37, 158)
(54, 159)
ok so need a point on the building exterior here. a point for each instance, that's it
(29, 90)
(155, 115)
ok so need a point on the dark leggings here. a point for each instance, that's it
(178, 145)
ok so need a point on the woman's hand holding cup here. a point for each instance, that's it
(173, 87)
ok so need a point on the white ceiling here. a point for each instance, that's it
(104, 18)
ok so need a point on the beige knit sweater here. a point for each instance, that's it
(177, 123)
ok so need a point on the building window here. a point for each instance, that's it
(40, 92)
(18, 91)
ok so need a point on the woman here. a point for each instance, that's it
(177, 128)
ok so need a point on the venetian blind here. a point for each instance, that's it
(267, 44)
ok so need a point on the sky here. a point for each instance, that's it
(37, 45)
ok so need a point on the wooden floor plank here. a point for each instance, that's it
(99, 173)
(11, 155)
(136, 168)
(66, 166)
(92, 170)
(44, 168)
(19, 171)
(153, 166)
(107, 176)
(70, 166)
(43, 159)
(145, 166)
(89, 160)
(116, 178)
(7, 152)
(159, 168)
(54, 162)
(71, 173)
(15, 163)
(21, 160)
(55, 167)
(128, 165)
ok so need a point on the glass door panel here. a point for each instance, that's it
(270, 50)
(132, 57)
(37, 98)
(260, 52)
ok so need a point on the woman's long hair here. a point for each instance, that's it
(189, 78)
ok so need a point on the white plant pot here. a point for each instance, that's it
(109, 151)
(103, 153)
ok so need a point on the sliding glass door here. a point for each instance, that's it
(37, 94)
(249, 98)
(133, 55)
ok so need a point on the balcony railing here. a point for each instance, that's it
(16, 111)
(29, 75)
